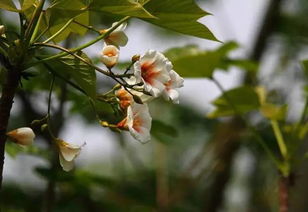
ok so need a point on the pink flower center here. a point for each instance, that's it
(168, 85)
(110, 52)
(124, 97)
(137, 123)
(148, 72)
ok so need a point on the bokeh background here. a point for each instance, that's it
(206, 164)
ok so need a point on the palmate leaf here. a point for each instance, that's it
(83, 75)
(179, 16)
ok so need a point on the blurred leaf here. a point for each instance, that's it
(54, 175)
(189, 61)
(274, 112)
(179, 16)
(243, 99)
(8, 5)
(262, 93)
(70, 67)
(303, 131)
(305, 65)
(246, 65)
(120, 7)
(163, 132)
(14, 149)
(179, 52)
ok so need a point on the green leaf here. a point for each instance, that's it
(61, 12)
(274, 112)
(189, 61)
(28, 7)
(179, 16)
(8, 5)
(163, 132)
(236, 101)
(305, 65)
(71, 68)
(244, 64)
(120, 7)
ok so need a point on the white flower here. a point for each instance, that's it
(22, 136)
(110, 55)
(67, 153)
(138, 122)
(117, 37)
(171, 86)
(2, 30)
(153, 70)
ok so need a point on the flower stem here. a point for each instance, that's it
(59, 32)
(280, 140)
(36, 28)
(87, 27)
(34, 21)
(102, 36)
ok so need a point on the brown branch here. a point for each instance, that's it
(284, 194)
(6, 102)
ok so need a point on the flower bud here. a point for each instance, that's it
(110, 55)
(137, 99)
(22, 136)
(135, 58)
(2, 30)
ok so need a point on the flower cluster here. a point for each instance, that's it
(148, 76)
(152, 76)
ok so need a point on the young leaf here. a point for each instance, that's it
(179, 16)
(70, 67)
(236, 101)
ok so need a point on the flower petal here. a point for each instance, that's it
(110, 55)
(66, 165)
(139, 122)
